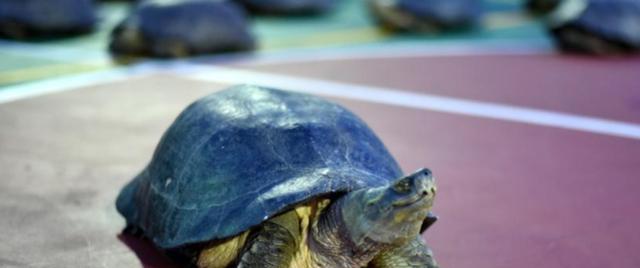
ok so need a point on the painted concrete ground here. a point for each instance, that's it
(532, 170)
(537, 154)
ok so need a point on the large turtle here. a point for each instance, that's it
(257, 177)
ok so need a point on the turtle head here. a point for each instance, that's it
(390, 214)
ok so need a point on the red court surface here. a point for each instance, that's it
(579, 85)
(511, 193)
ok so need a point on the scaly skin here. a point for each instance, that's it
(273, 247)
(378, 227)
(279, 241)
(332, 246)
(414, 254)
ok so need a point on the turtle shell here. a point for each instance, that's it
(597, 26)
(175, 28)
(46, 18)
(426, 15)
(443, 12)
(237, 157)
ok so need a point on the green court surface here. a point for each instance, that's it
(349, 26)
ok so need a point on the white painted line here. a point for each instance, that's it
(398, 97)
(404, 49)
(55, 52)
(65, 83)
(397, 49)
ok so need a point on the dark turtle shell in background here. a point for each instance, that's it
(426, 15)
(26, 19)
(237, 157)
(177, 28)
(602, 27)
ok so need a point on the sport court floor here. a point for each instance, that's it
(537, 155)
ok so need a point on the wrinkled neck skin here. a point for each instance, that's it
(333, 244)
(358, 226)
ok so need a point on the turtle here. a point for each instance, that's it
(427, 16)
(31, 19)
(180, 28)
(597, 27)
(259, 177)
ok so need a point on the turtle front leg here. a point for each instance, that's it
(274, 245)
(413, 254)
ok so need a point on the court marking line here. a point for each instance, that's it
(402, 98)
(389, 96)
(33, 73)
(403, 49)
(342, 37)
(66, 83)
(55, 52)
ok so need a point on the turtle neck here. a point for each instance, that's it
(332, 244)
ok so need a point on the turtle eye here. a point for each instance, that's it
(402, 186)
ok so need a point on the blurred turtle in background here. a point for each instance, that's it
(180, 28)
(28, 19)
(289, 7)
(601, 27)
(425, 15)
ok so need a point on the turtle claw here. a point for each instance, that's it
(428, 221)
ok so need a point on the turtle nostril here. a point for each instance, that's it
(425, 193)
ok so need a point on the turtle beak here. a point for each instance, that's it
(393, 212)
(417, 186)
